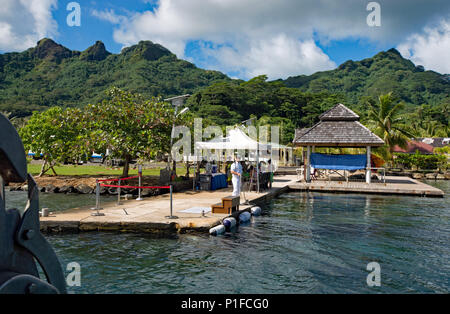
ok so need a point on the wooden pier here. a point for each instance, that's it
(149, 216)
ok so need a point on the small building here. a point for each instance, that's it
(338, 127)
(435, 142)
(413, 147)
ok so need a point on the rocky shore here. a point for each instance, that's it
(87, 185)
(421, 175)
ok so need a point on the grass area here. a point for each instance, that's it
(94, 170)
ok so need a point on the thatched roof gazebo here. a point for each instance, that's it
(338, 127)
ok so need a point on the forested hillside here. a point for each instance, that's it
(50, 74)
(385, 72)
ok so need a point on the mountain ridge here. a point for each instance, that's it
(50, 74)
(386, 71)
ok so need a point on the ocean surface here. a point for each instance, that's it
(303, 243)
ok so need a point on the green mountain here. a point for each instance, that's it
(387, 71)
(50, 74)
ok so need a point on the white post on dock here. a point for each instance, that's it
(368, 170)
(140, 183)
(308, 163)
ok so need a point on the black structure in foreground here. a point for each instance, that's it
(21, 242)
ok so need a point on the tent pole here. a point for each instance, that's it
(271, 167)
(257, 166)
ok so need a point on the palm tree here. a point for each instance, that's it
(388, 124)
(18, 123)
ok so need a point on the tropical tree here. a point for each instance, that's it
(129, 125)
(17, 122)
(57, 135)
(387, 123)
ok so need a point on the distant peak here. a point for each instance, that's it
(394, 51)
(46, 48)
(47, 42)
(390, 54)
(147, 50)
(96, 52)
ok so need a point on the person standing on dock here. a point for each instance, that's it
(236, 171)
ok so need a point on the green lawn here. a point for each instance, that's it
(81, 170)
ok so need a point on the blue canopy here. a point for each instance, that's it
(338, 162)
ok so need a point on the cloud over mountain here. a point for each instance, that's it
(430, 48)
(277, 38)
(24, 22)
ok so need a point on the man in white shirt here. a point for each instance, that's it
(236, 171)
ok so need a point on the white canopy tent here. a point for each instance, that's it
(236, 139)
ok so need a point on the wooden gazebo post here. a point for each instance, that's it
(308, 164)
(368, 170)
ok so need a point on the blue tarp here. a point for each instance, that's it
(218, 181)
(338, 162)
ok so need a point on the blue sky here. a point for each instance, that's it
(242, 38)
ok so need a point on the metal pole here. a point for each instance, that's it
(171, 143)
(118, 194)
(140, 184)
(97, 195)
(97, 200)
(171, 205)
(171, 201)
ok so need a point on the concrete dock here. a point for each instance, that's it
(149, 216)
(392, 185)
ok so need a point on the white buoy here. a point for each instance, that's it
(244, 217)
(229, 223)
(217, 230)
(256, 211)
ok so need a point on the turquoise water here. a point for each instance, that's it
(303, 243)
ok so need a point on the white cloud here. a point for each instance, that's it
(24, 22)
(109, 16)
(431, 48)
(277, 57)
(275, 36)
